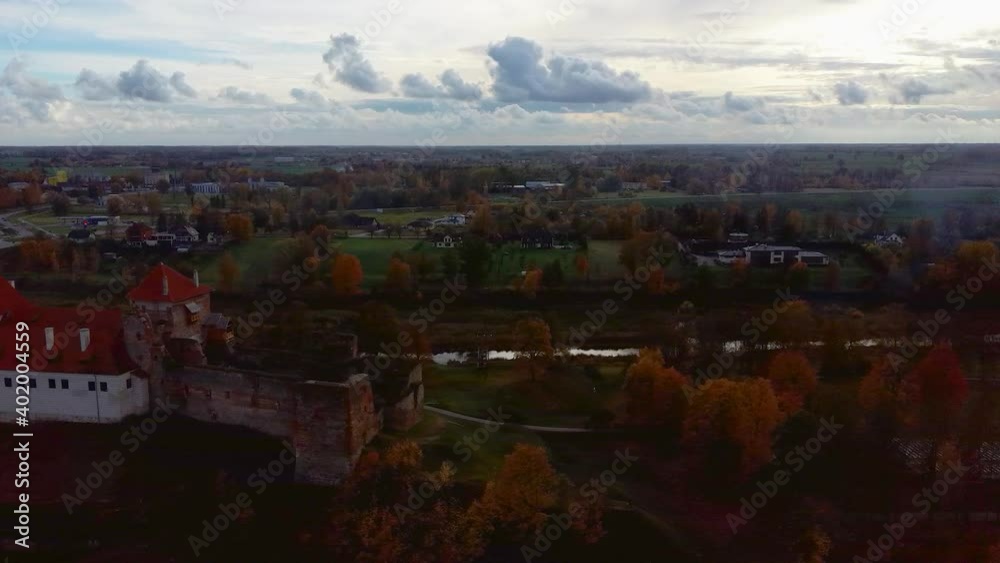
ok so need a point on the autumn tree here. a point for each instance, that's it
(531, 282)
(582, 265)
(347, 274)
(832, 282)
(733, 422)
(115, 206)
(933, 394)
(239, 226)
(793, 379)
(647, 249)
(739, 273)
(516, 500)
(229, 272)
(533, 344)
(813, 546)
(793, 323)
(654, 393)
(398, 277)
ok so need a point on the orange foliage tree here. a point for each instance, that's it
(524, 488)
(239, 226)
(932, 396)
(347, 274)
(582, 265)
(531, 282)
(654, 394)
(793, 379)
(398, 277)
(738, 417)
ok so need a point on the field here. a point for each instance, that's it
(256, 258)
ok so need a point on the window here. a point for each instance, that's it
(128, 382)
(7, 382)
(104, 386)
(34, 383)
(65, 383)
(90, 386)
(52, 384)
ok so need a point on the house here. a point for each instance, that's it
(419, 224)
(18, 186)
(81, 368)
(889, 240)
(738, 238)
(81, 236)
(150, 179)
(206, 188)
(771, 255)
(446, 240)
(453, 219)
(262, 184)
(186, 235)
(542, 185)
(139, 234)
(164, 239)
(536, 238)
(355, 221)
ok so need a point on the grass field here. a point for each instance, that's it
(256, 259)
(556, 398)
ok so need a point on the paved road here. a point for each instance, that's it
(554, 429)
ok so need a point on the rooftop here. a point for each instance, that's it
(164, 284)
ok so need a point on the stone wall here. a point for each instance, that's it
(328, 423)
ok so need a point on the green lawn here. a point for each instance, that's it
(556, 398)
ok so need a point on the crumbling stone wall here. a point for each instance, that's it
(328, 423)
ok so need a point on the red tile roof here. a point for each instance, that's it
(106, 354)
(179, 287)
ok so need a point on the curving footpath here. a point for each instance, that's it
(554, 429)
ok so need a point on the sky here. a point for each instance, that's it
(498, 72)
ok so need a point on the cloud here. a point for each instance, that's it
(520, 74)
(234, 94)
(35, 95)
(417, 86)
(93, 86)
(850, 93)
(913, 91)
(16, 79)
(351, 68)
(177, 80)
(738, 104)
(309, 98)
(452, 86)
(459, 89)
(237, 62)
(142, 82)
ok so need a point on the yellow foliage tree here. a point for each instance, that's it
(524, 488)
(740, 414)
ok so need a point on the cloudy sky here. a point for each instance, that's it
(481, 72)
